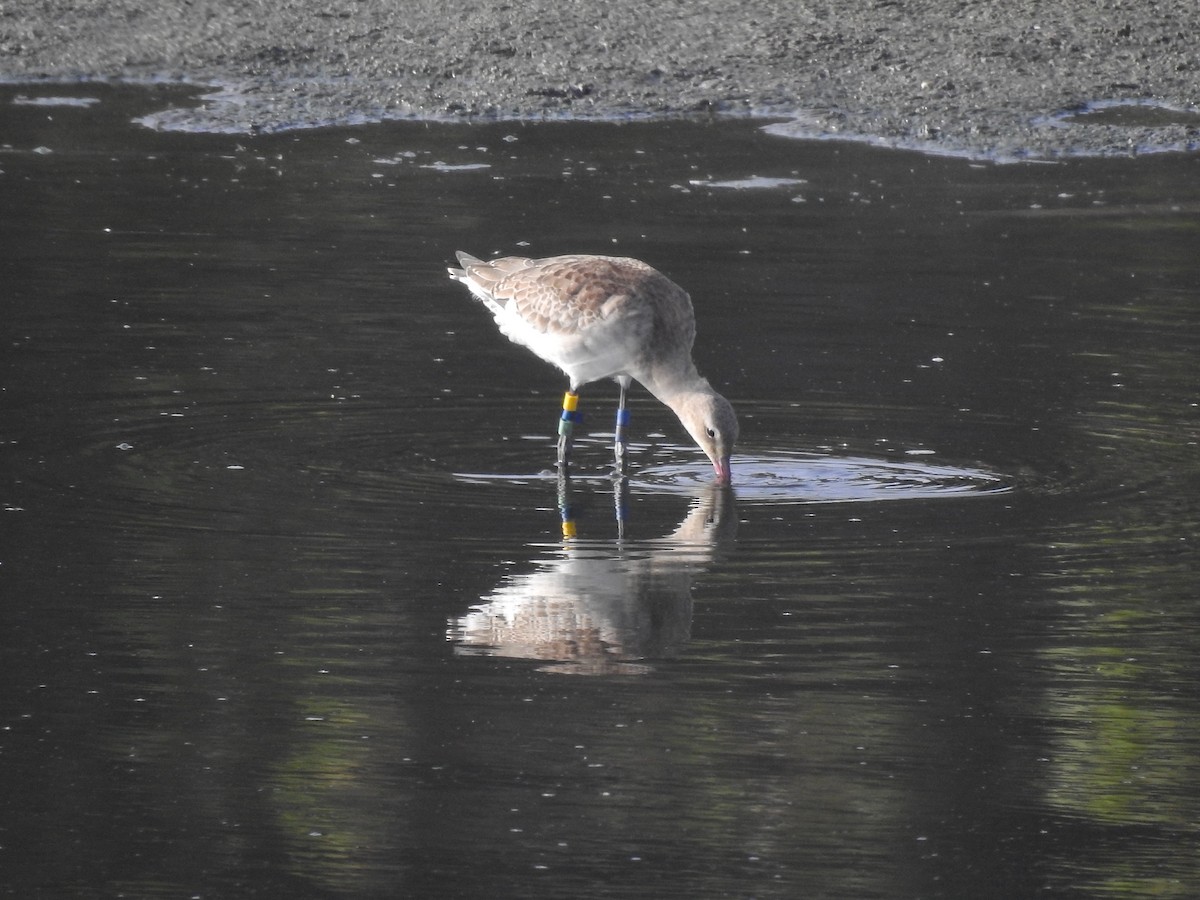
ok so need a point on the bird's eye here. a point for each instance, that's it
(711, 433)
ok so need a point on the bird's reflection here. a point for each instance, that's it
(602, 607)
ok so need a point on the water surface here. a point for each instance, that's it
(287, 599)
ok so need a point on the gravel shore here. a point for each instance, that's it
(1026, 78)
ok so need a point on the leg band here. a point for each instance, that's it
(619, 435)
(570, 413)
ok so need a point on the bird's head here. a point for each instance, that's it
(710, 420)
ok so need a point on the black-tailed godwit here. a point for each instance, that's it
(599, 317)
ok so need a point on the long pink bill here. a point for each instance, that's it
(724, 475)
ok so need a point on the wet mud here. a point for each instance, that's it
(1010, 80)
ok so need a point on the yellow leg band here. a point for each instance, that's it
(570, 401)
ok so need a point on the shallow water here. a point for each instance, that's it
(286, 592)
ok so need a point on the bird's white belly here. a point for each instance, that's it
(595, 353)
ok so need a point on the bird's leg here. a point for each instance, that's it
(621, 504)
(620, 436)
(565, 510)
(566, 428)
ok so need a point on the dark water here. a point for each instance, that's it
(286, 606)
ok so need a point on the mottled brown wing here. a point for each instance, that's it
(572, 293)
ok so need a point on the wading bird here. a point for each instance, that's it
(598, 317)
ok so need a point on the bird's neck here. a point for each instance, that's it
(669, 384)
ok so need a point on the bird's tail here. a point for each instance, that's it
(479, 277)
(466, 260)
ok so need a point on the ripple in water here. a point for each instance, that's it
(816, 478)
(807, 478)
